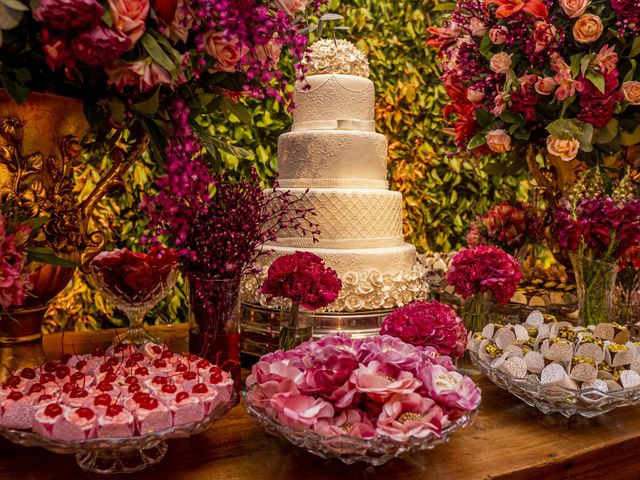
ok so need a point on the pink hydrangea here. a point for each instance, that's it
(453, 391)
(410, 415)
(428, 324)
(484, 269)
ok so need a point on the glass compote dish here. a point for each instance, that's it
(135, 283)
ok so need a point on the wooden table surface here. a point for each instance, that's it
(509, 440)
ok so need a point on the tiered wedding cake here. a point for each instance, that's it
(335, 160)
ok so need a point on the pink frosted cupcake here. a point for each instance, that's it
(46, 417)
(78, 397)
(187, 380)
(156, 383)
(186, 409)
(152, 416)
(27, 373)
(76, 424)
(151, 350)
(167, 393)
(15, 382)
(221, 381)
(78, 362)
(115, 422)
(208, 396)
(16, 411)
(120, 351)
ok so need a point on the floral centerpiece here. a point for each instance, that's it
(131, 60)
(303, 278)
(508, 225)
(378, 388)
(600, 231)
(557, 76)
(428, 324)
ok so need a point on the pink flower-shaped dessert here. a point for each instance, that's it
(46, 417)
(76, 424)
(278, 371)
(329, 368)
(431, 355)
(115, 422)
(16, 411)
(428, 324)
(349, 422)
(152, 416)
(380, 381)
(451, 390)
(300, 410)
(186, 409)
(260, 394)
(411, 415)
(391, 350)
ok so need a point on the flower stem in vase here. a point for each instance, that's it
(475, 313)
(595, 281)
(293, 334)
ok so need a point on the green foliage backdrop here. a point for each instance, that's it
(442, 192)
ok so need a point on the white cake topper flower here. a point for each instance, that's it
(337, 56)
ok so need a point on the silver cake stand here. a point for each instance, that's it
(260, 325)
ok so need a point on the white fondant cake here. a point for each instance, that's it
(335, 162)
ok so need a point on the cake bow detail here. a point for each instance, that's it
(339, 124)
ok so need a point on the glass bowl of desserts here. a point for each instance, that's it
(116, 410)
(560, 368)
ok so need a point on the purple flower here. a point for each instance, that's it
(99, 47)
(69, 15)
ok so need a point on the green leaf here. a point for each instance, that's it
(483, 117)
(309, 29)
(475, 142)
(154, 49)
(629, 76)
(635, 47)
(607, 133)
(575, 64)
(213, 144)
(586, 61)
(630, 138)
(18, 92)
(485, 47)
(15, 5)
(35, 223)
(107, 18)
(444, 7)
(597, 80)
(511, 117)
(9, 18)
(567, 129)
(46, 255)
(330, 17)
(238, 110)
(150, 105)
(117, 109)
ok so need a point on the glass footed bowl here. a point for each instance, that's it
(349, 449)
(587, 402)
(118, 455)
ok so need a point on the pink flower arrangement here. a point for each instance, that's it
(508, 225)
(483, 269)
(534, 72)
(378, 395)
(428, 324)
(303, 278)
(15, 277)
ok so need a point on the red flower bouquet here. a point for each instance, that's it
(428, 324)
(304, 279)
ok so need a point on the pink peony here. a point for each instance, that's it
(300, 410)
(303, 278)
(15, 281)
(484, 269)
(130, 16)
(349, 422)
(99, 46)
(410, 415)
(451, 390)
(69, 15)
(428, 324)
(380, 381)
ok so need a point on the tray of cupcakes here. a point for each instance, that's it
(561, 368)
(114, 410)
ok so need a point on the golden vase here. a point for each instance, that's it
(39, 151)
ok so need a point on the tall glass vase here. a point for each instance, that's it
(295, 330)
(475, 315)
(595, 282)
(214, 323)
(627, 297)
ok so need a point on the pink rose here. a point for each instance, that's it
(450, 389)
(379, 381)
(566, 150)
(474, 96)
(501, 63)
(144, 74)
(100, 46)
(270, 52)
(478, 27)
(631, 92)
(411, 415)
(291, 7)
(300, 411)
(129, 16)
(545, 85)
(15, 279)
(498, 141)
(498, 35)
(432, 356)
(588, 28)
(544, 35)
(56, 52)
(227, 51)
(345, 396)
(349, 422)
(69, 15)
(574, 8)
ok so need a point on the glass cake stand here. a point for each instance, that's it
(349, 449)
(118, 455)
(587, 402)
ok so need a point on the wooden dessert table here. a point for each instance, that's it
(508, 441)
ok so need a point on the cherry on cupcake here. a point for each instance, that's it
(47, 378)
(149, 403)
(159, 380)
(68, 387)
(141, 371)
(190, 376)
(199, 388)
(28, 373)
(168, 388)
(35, 388)
(181, 368)
(131, 380)
(159, 363)
(12, 382)
(114, 410)
(84, 412)
(76, 376)
(181, 396)
(104, 400)
(50, 367)
(216, 374)
(62, 371)
(104, 386)
(15, 395)
(53, 410)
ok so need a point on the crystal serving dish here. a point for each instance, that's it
(118, 455)
(587, 402)
(349, 449)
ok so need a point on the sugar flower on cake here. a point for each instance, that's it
(428, 324)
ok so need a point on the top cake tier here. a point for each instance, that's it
(334, 102)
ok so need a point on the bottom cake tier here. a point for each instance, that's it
(372, 278)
